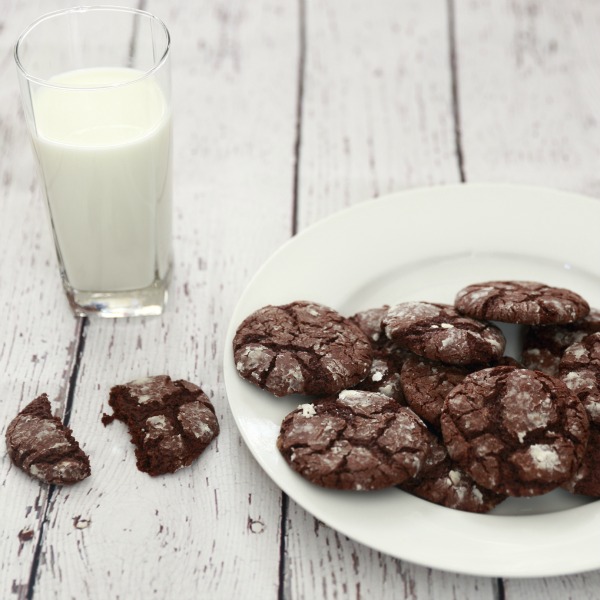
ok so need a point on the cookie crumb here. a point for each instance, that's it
(39, 444)
(26, 534)
(170, 422)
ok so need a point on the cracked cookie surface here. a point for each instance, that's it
(170, 422)
(586, 479)
(515, 431)
(439, 332)
(426, 383)
(301, 348)
(442, 482)
(579, 368)
(357, 441)
(521, 302)
(43, 447)
(543, 345)
(384, 375)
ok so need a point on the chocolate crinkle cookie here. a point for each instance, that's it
(442, 482)
(543, 345)
(43, 447)
(303, 348)
(579, 368)
(439, 332)
(357, 441)
(515, 431)
(522, 302)
(170, 422)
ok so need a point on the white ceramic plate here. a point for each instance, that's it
(425, 245)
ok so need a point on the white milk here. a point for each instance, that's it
(105, 157)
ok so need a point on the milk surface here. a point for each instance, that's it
(105, 157)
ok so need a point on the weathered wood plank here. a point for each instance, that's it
(377, 117)
(527, 75)
(377, 113)
(211, 529)
(38, 333)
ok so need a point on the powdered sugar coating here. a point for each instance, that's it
(515, 431)
(543, 345)
(171, 422)
(426, 384)
(149, 390)
(161, 433)
(301, 347)
(43, 447)
(384, 377)
(439, 332)
(579, 368)
(198, 421)
(358, 441)
(370, 322)
(524, 302)
(442, 482)
(308, 410)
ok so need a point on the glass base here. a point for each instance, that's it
(145, 302)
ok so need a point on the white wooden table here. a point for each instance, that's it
(286, 111)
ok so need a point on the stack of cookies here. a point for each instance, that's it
(420, 395)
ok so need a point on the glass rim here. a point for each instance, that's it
(83, 9)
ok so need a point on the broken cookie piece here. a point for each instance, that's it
(170, 422)
(43, 447)
(522, 302)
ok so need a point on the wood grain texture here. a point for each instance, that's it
(533, 117)
(528, 76)
(285, 112)
(323, 563)
(38, 333)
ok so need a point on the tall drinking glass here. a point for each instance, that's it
(95, 86)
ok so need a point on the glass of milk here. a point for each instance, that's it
(95, 86)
